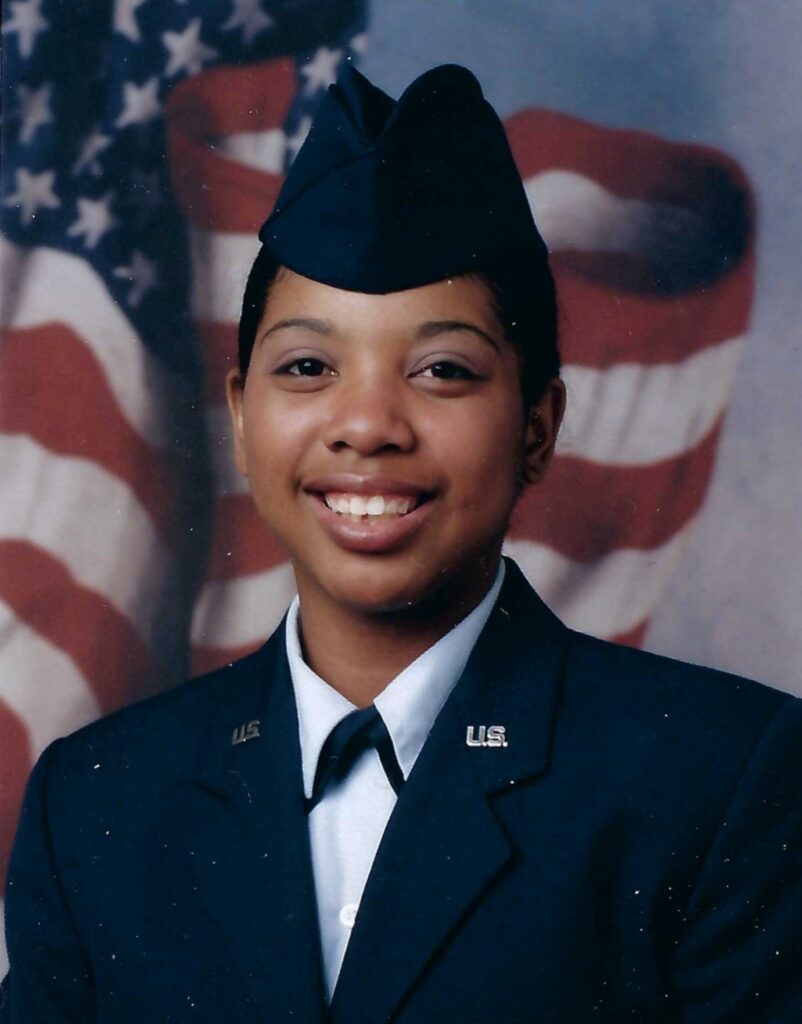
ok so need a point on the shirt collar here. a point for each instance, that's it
(409, 704)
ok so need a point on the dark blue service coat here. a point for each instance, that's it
(634, 852)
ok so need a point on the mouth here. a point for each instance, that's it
(369, 516)
(371, 509)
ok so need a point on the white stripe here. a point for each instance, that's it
(243, 611)
(41, 684)
(93, 523)
(220, 266)
(43, 286)
(633, 415)
(575, 212)
(610, 596)
(262, 150)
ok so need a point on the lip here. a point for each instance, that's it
(354, 483)
(378, 538)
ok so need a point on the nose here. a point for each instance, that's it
(369, 416)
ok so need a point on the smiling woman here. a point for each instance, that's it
(424, 799)
(386, 443)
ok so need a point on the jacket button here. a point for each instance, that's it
(348, 914)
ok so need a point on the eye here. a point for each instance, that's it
(445, 369)
(306, 366)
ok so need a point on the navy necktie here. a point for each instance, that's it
(359, 731)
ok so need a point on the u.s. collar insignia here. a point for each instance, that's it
(486, 736)
(246, 731)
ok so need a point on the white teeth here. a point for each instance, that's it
(358, 507)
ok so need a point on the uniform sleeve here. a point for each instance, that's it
(49, 979)
(739, 960)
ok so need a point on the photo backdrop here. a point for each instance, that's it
(144, 144)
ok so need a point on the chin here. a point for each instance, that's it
(382, 585)
(378, 588)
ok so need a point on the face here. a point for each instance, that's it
(384, 439)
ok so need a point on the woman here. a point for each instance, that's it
(424, 799)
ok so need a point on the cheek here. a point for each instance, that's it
(273, 437)
(484, 456)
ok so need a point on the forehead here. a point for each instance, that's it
(459, 298)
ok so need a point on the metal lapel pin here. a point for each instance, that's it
(246, 731)
(486, 736)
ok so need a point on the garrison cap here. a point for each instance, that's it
(387, 195)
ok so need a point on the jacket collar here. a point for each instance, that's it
(513, 679)
(443, 847)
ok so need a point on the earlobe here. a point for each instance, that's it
(542, 426)
(235, 388)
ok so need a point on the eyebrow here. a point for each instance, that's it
(434, 327)
(309, 323)
(430, 329)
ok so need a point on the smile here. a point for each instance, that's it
(361, 508)
(369, 515)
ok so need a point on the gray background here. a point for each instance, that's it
(720, 72)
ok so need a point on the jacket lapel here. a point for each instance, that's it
(444, 847)
(253, 863)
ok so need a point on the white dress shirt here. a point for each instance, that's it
(346, 826)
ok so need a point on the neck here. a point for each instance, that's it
(359, 653)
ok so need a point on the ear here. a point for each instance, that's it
(542, 424)
(235, 394)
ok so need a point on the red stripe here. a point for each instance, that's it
(242, 544)
(606, 322)
(214, 191)
(630, 164)
(632, 637)
(45, 596)
(66, 407)
(599, 326)
(602, 326)
(585, 510)
(16, 759)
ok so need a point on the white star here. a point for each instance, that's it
(34, 191)
(34, 109)
(359, 43)
(125, 19)
(321, 70)
(140, 103)
(27, 21)
(249, 16)
(94, 144)
(187, 52)
(94, 220)
(142, 275)
(295, 141)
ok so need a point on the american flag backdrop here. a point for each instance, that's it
(144, 144)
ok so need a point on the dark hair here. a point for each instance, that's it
(524, 300)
